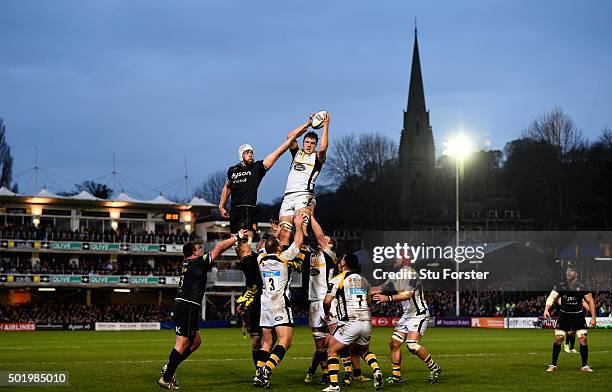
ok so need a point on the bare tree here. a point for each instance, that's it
(210, 189)
(6, 159)
(557, 129)
(605, 139)
(363, 158)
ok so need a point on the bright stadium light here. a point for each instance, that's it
(458, 147)
(46, 289)
(122, 290)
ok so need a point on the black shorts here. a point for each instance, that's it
(243, 217)
(571, 322)
(186, 317)
(252, 316)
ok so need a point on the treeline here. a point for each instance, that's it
(552, 175)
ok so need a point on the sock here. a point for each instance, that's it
(556, 351)
(187, 353)
(396, 370)
(571, 340)
(255, 355)
(276, 356)
(334, 369)
(584, 354)
(357, 372)
(262, 357)
(433, 366)
(324, 367)
(316, 360)
(174, 360)
(370, 359)
(345, 355)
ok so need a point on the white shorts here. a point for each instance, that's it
(292, 202)
(358, 332)
(316, 315)
(270, 318)
(412, 324)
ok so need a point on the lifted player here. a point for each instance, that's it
(275, 267)
(243, 180)
(411, 327)
(571, 316)
(305, 167)
(354, 320)
(188, 304)
(322, 266)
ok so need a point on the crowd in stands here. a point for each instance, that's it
(490, 303)
(121, 235)
(60, 313)
(218, 308)
(92, 265)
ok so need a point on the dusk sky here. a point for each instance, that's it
(159, 81)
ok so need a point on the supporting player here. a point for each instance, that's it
(322, 266)
(275, 267)
(249, 303)
(305, 167)
(354, 320)
(413, 323)
(243, 180)
(188, 304)
(571, 316)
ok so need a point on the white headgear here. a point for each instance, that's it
(242, 149)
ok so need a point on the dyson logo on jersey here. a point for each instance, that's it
(240, 174)
(357, 291)
(299, 167)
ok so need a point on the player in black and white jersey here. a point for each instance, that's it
(305, 168)
(243, 180)
(571, 317)
(276, 266)
(412, 325)
(249, 303)
(322, 270)
(188, 303)
(352, 292)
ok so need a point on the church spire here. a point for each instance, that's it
(416, 93)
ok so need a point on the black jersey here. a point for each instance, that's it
(192, 282)
(250, 267)
(243, 182)
(571, 296)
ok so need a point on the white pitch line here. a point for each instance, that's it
(293, 358)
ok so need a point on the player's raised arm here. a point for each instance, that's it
(550, 301)
(291, 140)
(226, 244)
(324, 139)
(591, 302)
(225, 194)
(318, 232)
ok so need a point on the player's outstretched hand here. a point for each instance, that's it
(593, 323)
(380, 298)
(224, 213)
(242, 233)
(546, 314)
(327, 119)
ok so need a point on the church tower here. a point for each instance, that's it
(416, 152)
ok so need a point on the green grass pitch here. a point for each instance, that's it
(472, 359)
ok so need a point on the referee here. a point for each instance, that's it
(188, 304)
(571, 318)
(244, 178)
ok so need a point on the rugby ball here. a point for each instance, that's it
(317, 120)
